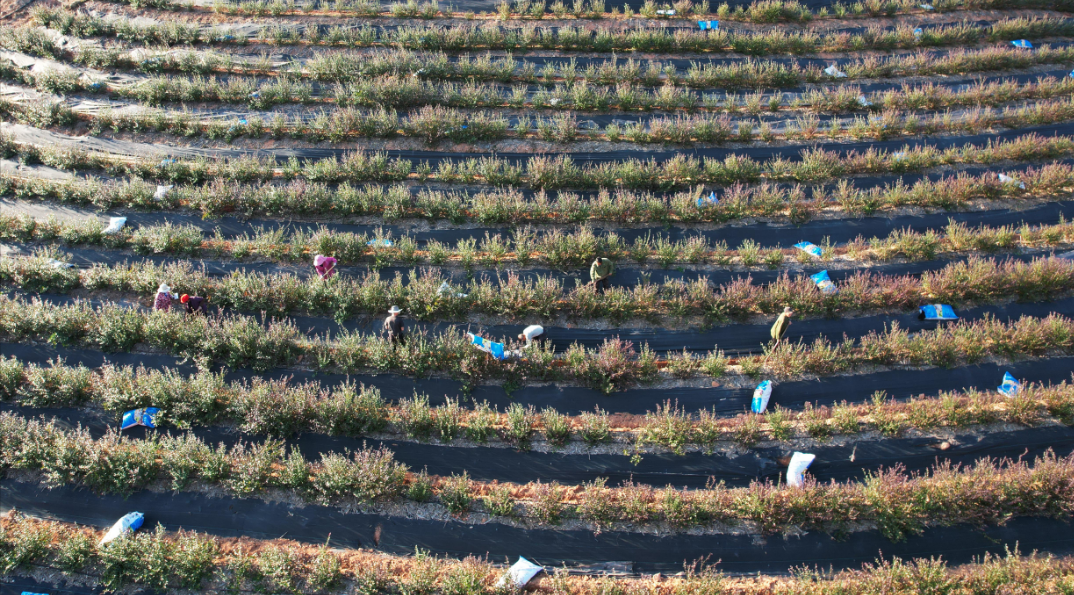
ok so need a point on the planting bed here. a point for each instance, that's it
(467, 164)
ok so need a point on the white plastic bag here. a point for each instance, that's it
(800, 461)
(161, 192)
(1009, 180)
(519, 574)
(864, 101)
(761, 395)
(834, 71)
(114, 225)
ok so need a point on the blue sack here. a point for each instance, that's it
(809, 248)
(490, 347)
(709, 25)
(938, 312)
(381, 243)
(1010, 387)
(140, 417)
(824, 282)
(130, 523)
(1022, 43)
(710, 200)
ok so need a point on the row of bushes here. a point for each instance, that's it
(512, 207)
(242, 341)
(161, 560)
(761, 11)
(757, 11)
(284, 408)
(405, 92)
(526, 246)
(812, 165)
(435, 124)
(352, 66)
(897, 503)
(469, 38)
(974, 281)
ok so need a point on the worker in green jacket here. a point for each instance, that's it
(600, 271)
(781, 324)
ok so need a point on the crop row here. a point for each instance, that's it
(283, 408)
(508, 206)
(300, 197)
(159, 560)
(898, 504)
(757, 11)
(469, 38)
(525, 246)
(352, 66)
(422, 294)
(434, 124)
(405, 92)
(812, 165)
(242, 341)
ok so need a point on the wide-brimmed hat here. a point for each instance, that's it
(164, 288)
(788, 310)
(319, 260)
(394, 310)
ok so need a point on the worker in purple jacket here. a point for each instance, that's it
(195, 304)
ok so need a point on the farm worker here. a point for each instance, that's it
(600, 271)
(533, 333)
(194, 304)
(780, 327)
(393, 326)
(325, 266)
(164, 298)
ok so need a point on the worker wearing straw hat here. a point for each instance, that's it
(164, 297)
(394, 328)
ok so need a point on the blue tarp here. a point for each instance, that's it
(939, 312)
(492, 348)
(709, 200)
(140, 417)
(709, 25)
(1022, 43)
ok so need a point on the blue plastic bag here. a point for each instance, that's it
(1010, 387)
(130, 523)
(710, 200)
(824, 282)
(709, 25)
(761, 395)
(1022, 43)
(140, 417)
(809, 248)
(939, 312)
(491, 347)
(381, 243)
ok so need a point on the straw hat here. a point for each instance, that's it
(164, 288)
(394, 310)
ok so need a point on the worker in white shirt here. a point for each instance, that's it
(533, 333)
